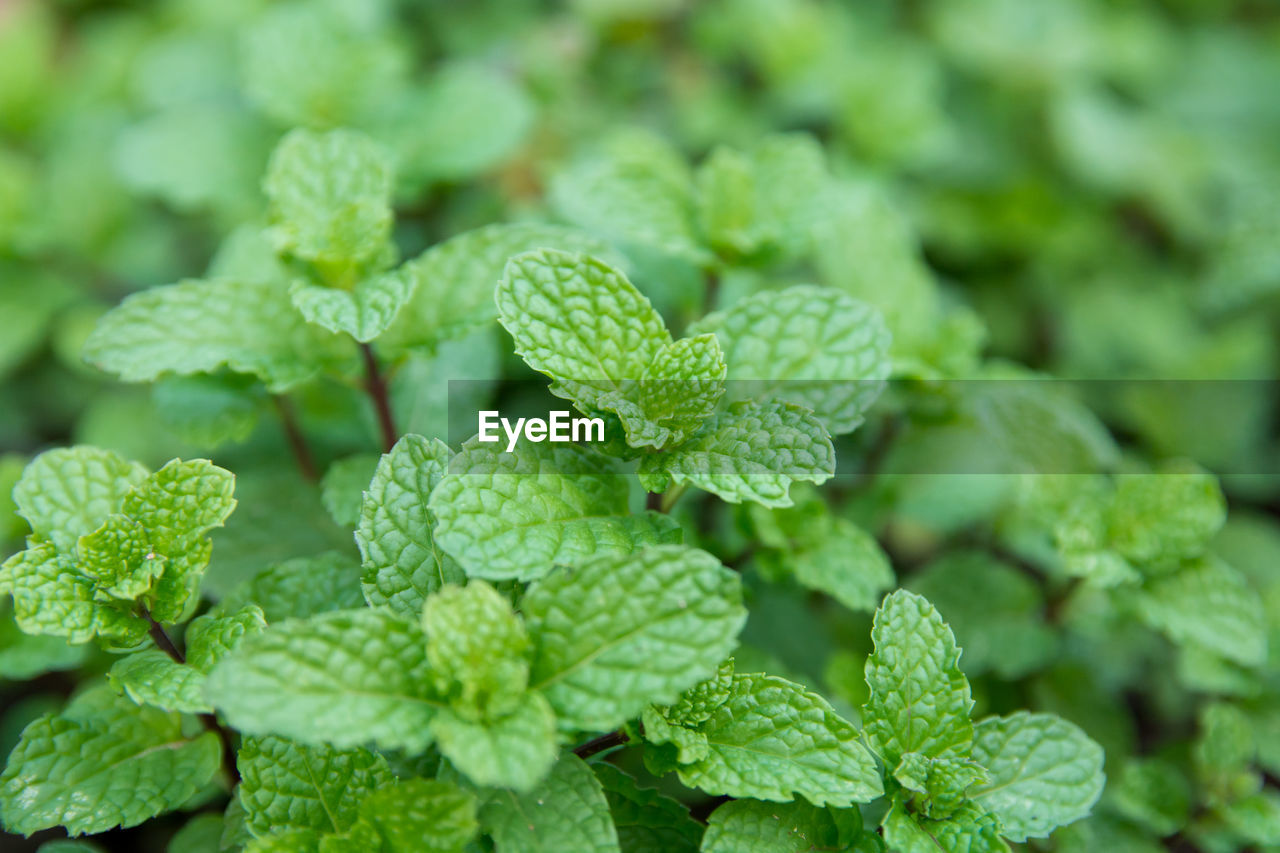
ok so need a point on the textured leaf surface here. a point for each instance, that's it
(421, 816)
(646, 821)
(365, 311)
(618, 633)
(103, 762)
(761, 827)
(301, 587)
(51, 597)
(1167, 515)
(1045, 772)
(330, 197)
(770, 739)
(457, 278)
(151, 677)
(343, 486)
(246, 324)
(514, 750)
(847, 564)
(68, 492)
(969, 830)
(919, 697)
(750, 452)
(477, 647)
(1208, 604)
(514, 515)
(345, 678)
(402, 562)
(568, 811)
(815, 347)
(289, 785)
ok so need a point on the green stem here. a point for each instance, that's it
(670, 496)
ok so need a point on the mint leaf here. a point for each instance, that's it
(330, 201)
(365, 311)
(749, 452)
(1152, 793)
(292, 786)
(1208, 604)
(69, 492)
(995, 611)
(1045, 772)
(636, 192)
(24, 656)
(1165, 516)
(347, 677)
(456, 278)
(968, 830)
(941, 782)
(919, 697)
(247, 324)
(514, 515)
(478, 649)
(617, 633)
(120, 560)
(201, 834)
(767, 738)
(678, 392)
(770, 828)
(511, 750)
(300, 588)
(343, 486)
(847, 564)
(103, 762)
(567, 811)
(579, 321)
(807, 345)
(645, 819)
(421, 816)
(402, 562)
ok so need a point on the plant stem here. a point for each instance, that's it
(209, 721)
(376, 385)
(670, 496)
(600, 744)
(293, 434)
(653, 501)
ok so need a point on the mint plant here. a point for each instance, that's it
(860, 557)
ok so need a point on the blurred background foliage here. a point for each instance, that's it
(1081, 189)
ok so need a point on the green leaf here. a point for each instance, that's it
(749, 452)
(24, 656)
(345, 678)
(1166, 516)
(300, 588)
(678, 392)
(365, 311)
(330, 200)
(247, 324)
(568, 811)
(343, 486)
(151, 677)
(69, 492)
(201, 834)
(421, 816)
(208, 411)
(119, 559)
(1152, 793)
(513, 750)
(919, 697)
(290, 785)
(181, 501)
(617, 633)
(485, 110)
(847, 564)
(288, 841)
(456, 278)
(942, 782)
(646, 821)
(807, 345)
(68, 846)
(103, 762)
(969, 830)
(402, 563)
(1045, 772)
(478, 649)
(50, 596)
(514, 515)
(761, 827)
(995, 611)
(767, 738)
(638, 193)
(312, 65)
(1255, 818)
(1208, 604)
